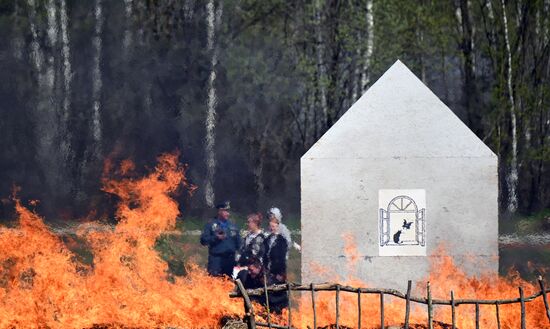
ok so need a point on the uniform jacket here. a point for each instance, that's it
(229, 245)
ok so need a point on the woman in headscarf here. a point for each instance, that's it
(276, 247)
(276, 213)
(253, 245)
(275, 263)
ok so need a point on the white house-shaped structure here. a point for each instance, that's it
(407, 180)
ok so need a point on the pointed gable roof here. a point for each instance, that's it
(398, 117)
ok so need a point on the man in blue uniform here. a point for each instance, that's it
(223, 240)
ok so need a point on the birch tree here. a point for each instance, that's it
(469, 88)
(128, 35)
(370, 46)
(97, 80)
(513, 174)
(213, 20)
(67, 81)
(46, 112)
(321, 63)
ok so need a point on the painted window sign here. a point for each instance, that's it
(402, 222)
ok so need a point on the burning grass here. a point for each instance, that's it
(126, 284)
(42, 286)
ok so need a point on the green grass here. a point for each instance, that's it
(180, 248)
(524, 225)
(186, 223)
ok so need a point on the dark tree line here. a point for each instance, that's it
(243, 88)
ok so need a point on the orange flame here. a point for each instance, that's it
(42, 286)
(444, 277)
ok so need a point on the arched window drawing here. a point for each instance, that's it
(402, 223)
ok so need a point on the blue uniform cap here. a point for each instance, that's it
(224, 205)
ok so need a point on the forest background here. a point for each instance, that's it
(243, 88)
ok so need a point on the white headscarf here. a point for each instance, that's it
(277, 213)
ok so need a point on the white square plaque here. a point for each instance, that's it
(402, 222)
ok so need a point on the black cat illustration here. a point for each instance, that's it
(396, 237)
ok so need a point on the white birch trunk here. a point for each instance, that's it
(52, 31)
(18, 43)
(97, 82)
(370, 47)
(473, 39)
(46, 111)
(357, 71)
(513, 175)
(320, 56)
(128, 37)
(188, 9)
(67, 80)
(37, 54)
(47, 103)
(94, 150)
(546, 21)
(213, 19)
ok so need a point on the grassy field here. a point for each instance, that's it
(528, 260)
(523, 225)
(181, 246)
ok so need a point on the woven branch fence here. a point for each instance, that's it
(338, 289)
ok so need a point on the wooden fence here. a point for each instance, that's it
(338, 289)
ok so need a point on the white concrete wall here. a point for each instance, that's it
(340, 196)
(398, 135)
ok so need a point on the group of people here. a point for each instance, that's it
(256, 257)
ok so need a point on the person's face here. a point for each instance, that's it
(274, 226)
(254, 270)
(252, 226)
(223, 214)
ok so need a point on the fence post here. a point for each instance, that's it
(267, 301)
(359, 308)
(477, 315)
(381, 310)
(313, 305)
(337, 306)
(544, 298)
(453, 314)
(430, 310)
(249, 311)
(289, 306)
(498, 315)
(408, 304)
(522, 301)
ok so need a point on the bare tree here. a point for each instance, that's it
(128, 35)
(67, 81)
(213, 21)
(370, 46)
(513, 175)
(469, 88)
(97, 79)
(321, 63)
